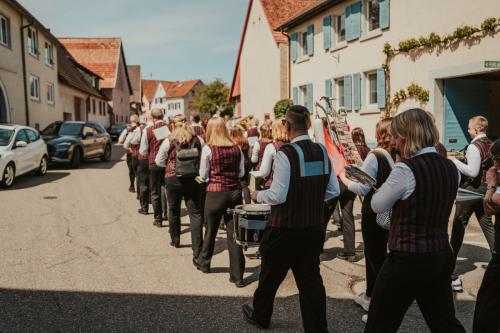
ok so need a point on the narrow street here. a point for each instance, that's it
(76, 256)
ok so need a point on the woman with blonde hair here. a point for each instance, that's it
(180, 155)
(378, 164)
(420, 190)
(280, 137)
(222, 165)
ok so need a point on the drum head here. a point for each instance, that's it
(252, 208)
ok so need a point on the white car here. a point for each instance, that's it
(21, 150)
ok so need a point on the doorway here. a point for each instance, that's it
(4, 106)
(78, 104)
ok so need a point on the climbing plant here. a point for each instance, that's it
(489, 26)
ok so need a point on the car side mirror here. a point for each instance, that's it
(21, 144)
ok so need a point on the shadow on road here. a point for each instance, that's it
(96, 163)
(30, 180)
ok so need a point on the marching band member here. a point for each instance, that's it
(222, 164)
(143, 174)
(253, 132)
(131, 145)
(358, 137)
(295, 235)
(266, 137)
(130, 163)
(180, 181)
(420, 190)
(378, 164)
(151, 141)
(196, 125)
(238, 137)
(477, 155)
(486, 319)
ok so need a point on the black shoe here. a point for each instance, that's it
(142, 211)
(248, 316)
(131, 189)
(165, 218)
(176, 244)
(205, 270)
(157, 224)
(238, 284)
(195, 263)
(347, 256)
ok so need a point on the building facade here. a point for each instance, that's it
(175, 98)
(337, 51)
(134, 72)
(149, 88)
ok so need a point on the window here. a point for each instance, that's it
(340, 93)
(341, 28)
(371, 89)
(32, 135)
(104, 108)
(373, 14)
(21, 136)
(49, 54)
(50, 93)
(100, 107)
(34, 87)
(4, 31)
(303, 43)
(32, 42)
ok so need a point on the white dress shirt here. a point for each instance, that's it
(267, 162)
(278, 192)
(255, 152)
(370, 166)
(206, 156)
(144, 147)
(399, 186)
(473, 155)
(133, 138)
(123, 135)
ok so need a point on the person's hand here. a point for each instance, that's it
(254, 196)
(343, 178)
(492, 176)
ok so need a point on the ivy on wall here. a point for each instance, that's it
(489, 26)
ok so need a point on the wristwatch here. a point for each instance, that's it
(491, 187)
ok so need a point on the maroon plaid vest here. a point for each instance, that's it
(269, 180)
(199, 131)
(224, 169)
(304, 205)
(252, 132)
(142, 157)
(420, 222)
(484, 145)
(262, 148)
(172, 154)
(154, 145)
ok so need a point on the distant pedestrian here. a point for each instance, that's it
(358, 137)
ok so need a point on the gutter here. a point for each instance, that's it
(25, 78)
(308, 14)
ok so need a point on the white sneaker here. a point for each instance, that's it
(364, 319)
(456, 285)
(363, 301)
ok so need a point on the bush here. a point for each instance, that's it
(281, 107)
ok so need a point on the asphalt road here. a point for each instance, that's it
(76, 256)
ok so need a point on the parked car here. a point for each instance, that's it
(115, 131)
(75, 141)
(21, 151)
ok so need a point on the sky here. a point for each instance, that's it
(170, 39)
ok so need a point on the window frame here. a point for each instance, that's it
(93, 106)
(336, 89)
(33, 78)
(51, 93)
(49, 54)
(34, 42)
(7, 42)
(366, 13)
(368, 92)
(337, 29)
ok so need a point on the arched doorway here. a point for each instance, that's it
(4, 105)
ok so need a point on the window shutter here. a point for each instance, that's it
(381, 88)
(309, 97)
(384, 13)
(9, 37)
(310, 40)
(295, 50)
(327, 32)
(295, 95)
(328, 88)
(353, 21)
(348, 93)
(357, 91)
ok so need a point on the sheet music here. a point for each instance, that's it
(161, 133)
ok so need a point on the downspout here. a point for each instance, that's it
(289, 63)
(25, 79)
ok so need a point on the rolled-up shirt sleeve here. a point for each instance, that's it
(278, 191)
(399, 185)
(370, 166)
(473, 166)
(123, 135)
(255, 152)
(144, 147)
(333, 188)
(162, 156)
(206, 155)
(267, 162)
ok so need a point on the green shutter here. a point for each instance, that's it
(309, 97)
(353, 21)
(348, 93)
(381, 88)
(384, 13)
(357, 91)
(295, 95)
(327, 32)
(310, 40)
(295, 50)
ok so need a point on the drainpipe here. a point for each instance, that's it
(289, 63)
(25, 79)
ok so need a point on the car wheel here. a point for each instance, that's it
(76, 159)
(9, 174)
(42, 169)
(107, 154)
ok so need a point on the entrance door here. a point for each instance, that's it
(463, 99)
(4, 109)
(78, 103)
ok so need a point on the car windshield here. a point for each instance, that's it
(5, 136)
(70, 129)
(117, 127)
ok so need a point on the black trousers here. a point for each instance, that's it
(487, 313)
(298, 250)
(346, 202)
(216, 206)
(156, 183)
(408, 277)
(245, 181)
(132, 163)
(143, 177)
(189, 190)
(375, 241)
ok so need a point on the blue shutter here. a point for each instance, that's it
(353, 21)
(381, 88)
(357, 91)
(310, 40)
(348, 30)
(295, 95)
(295, 50)
(384, 13)
(348, 93)
(309, 97)
(327, 32)
(328, 90)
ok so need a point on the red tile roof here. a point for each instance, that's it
(179, 89)
(149, 89)
(100, 55)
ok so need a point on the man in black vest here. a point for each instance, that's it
(294, 238)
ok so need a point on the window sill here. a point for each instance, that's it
(338, 47)
(49, 65)
(33, 55)
(370, 110)
(51, 103)
(371, 35)
(6, 46)
(34, 99)
(301, 60)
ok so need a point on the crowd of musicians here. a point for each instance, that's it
(208, 165)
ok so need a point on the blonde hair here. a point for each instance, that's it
(480, 123)
(183, 133)
(217, 133)
(383, 133)
(418, 130)
(238, 137)
(279, 131)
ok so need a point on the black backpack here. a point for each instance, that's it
(187, 160)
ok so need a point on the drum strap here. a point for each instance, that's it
(314, 168)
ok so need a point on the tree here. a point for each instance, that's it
(281, 107)
(213, 97)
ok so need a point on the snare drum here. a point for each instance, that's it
(249, 223)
